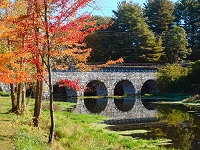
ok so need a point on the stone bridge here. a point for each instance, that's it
(110, 81)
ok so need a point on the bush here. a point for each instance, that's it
(174, 78)
(4, 94)
(193, 79)
(170, 77)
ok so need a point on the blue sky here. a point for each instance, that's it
(105, 7)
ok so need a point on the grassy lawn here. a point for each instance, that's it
(7, 126)
(73, 131)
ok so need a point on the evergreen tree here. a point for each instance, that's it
(187, 13)
(176, 45)
(159, 14)
(130, 36)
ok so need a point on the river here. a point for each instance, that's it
(177, 124)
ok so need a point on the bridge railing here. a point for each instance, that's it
(141, 65)
(122, 67)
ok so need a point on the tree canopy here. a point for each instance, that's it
(159, 14)
(140, 34)
(176, 45)
(129, 36)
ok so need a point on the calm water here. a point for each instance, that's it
(178, 123)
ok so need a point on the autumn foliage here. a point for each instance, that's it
(75, 84)
(23, 31)
(35, 36)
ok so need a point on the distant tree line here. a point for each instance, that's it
(160, 31)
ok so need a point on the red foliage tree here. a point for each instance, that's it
(47, 31)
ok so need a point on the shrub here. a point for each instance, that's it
(170, 77)
(4, 94)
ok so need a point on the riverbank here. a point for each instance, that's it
(73, 131)
(169, 96)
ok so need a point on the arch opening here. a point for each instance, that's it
(59, 93)
(95, 88)
(124, 88)
(63, 93)
(149, 87)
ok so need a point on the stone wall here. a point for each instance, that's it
(4, 87)
(130, 78)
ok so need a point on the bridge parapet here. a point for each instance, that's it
(123, 68)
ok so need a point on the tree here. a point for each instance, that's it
(169, 77)
(11, 12)
(130, 37)
(176, 45)
(187, 16)
(159, 15)
(48, 31)
(97, 40)
(58, 33)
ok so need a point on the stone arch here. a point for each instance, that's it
(124, 87)
(59, 92)
(95, 88)
(4, 88)
(149, 87)
(63, 92)
(70, 92)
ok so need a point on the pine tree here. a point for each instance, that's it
(176, 45)
(159, 14)
(131, 37)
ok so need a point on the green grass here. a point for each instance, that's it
(72, 132)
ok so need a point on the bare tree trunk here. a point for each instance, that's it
(38, 103)
(52, 128)
(18, 98)
(12, 90)
(23, 96)
(48, 64)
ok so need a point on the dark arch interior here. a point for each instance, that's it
(149, 87)
(90, 90)
(59, 93)
(95, 88)
(123, 88)
(118, 91)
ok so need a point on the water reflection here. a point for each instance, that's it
(149, 103)
(178, 123)
(118, 110)
(95, 105)
(124, 104)
(182, 128)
